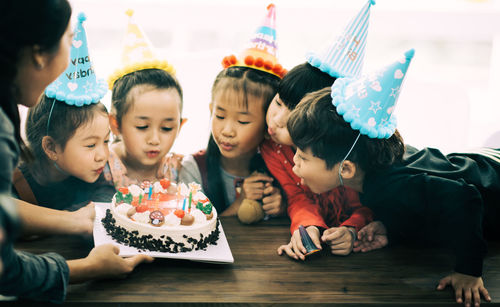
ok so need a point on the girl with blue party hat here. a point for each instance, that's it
(347, 135)
(145, 114)
(68, 133)
(337, 211)
(230, 170)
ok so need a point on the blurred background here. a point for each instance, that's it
(451, 96)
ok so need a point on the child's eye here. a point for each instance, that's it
(142, 127)
(106, 141)
(278, 103)
(243, 123)
(166, 129)
(90, 146)
(219, 117)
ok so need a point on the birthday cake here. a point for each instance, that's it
(162, 217)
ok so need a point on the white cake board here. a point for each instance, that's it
(220, 253)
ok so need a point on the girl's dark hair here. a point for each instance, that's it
(157, 78)
(23, 24)
(299, 81)
(316, 125)
(248, 82)
(64, 121)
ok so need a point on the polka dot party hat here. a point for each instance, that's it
(261, 51)
(368, 103)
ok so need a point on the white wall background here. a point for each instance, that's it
(451, 96)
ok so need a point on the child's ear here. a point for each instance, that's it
(49, 147)
(113, 124)
(348, 170)
(39, 59)
(210, 106)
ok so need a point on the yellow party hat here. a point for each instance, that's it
(138, 53)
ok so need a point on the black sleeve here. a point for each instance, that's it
(432, 208)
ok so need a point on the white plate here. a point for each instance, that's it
(220, 253)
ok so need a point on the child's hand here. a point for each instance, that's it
(472, 288)
(295, 249)
(253, 186)
(104, 262)
(340, 240)
(83, 220)
(372, 236)
(272, 202)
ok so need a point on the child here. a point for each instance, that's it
(58, 139)
(145, 116)
(339, 209)
(68, 133)
(347, 135)
(240, 96)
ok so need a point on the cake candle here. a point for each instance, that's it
(150, 191)
(190, 197)
(184, 205)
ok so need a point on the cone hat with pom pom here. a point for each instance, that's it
(344, 57)
(78, 85)
(261, 52)
(368, 103)
(138, 53)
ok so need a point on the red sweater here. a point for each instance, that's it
(337, 207)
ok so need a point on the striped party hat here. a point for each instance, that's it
(345, 56)
(261, 51)
(368, 102)
(138, 53)
(78, 85)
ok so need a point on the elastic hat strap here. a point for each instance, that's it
(348, 153)
(50, 116)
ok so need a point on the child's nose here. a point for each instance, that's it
(153, 138)
(102, 153)
(228, 130)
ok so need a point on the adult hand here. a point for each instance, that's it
(372, 236)
(467, 288)
(104, 262)
(295, 249)
(84, 220)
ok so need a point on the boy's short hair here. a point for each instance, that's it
(315, 124)
(299, 81)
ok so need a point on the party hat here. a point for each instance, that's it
(78, 84)
(345, 56)
(261, 51)
(368, 103)
(138, 53)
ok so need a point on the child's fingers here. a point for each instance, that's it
(444, 282)
(259, 177)
(298, 248)
(485, 293)
(269, 189)
(333, 236)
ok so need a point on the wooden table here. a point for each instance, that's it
(400, 275)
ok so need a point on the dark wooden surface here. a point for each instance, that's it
(398, 275)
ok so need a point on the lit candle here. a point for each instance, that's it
(184, 205)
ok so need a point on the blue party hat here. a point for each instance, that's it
(345, 56)
(368, 103)
(78, 84)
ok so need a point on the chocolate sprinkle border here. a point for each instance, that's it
(165, 244)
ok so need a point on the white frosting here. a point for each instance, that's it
(135, 190)
(123, 208)
(157, 188)
(142, 217)
(199, 217)
(184, 189)
(172, 220)
(199, 196)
